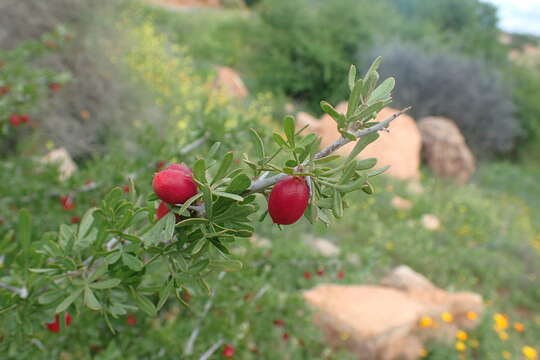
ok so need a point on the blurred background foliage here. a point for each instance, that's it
(140, 89)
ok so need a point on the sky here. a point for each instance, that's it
(519, 15)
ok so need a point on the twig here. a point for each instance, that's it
(22, 292)
(190, 147)
(211, 351)
(262, 183)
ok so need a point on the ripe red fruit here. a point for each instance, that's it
(162, 210)
(180, 167)
(341, 275)
(307, 275)
(288, 200)
(25, 119)
(75, 219)
(279, 322)
(174, 186)
(55, 86)
(285, 336)
(131, 320)
(126, 188)
(67, 319)
(54, 326)
(67, 202)
(228, 351)
(15, 120)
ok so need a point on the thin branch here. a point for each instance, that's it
(211, 351)
(22, 292)
(190, 147)
(262, 183)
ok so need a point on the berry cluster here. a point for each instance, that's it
(287, 202)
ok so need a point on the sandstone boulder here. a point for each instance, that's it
(65, 163)
(399, 147)
(231, 83)
(390, 322)
(444, 149)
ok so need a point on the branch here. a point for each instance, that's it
(190, 147)
(262, 183)
(22, 292)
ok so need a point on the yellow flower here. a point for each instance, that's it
(423, 353)
(461, 335)
(519, 327)
(471, 315)
(344, 336)
(447, 317)
(460, 346)
(474, 343)
(501, 322)
(506, 355)
(503, 335)
(426, 321)
(389, 246)
(529, 352)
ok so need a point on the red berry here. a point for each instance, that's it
(24, 119)
(67, 202)
(320, 272)
(180, 167)
(341, 275)
(131, 320)
(75, 219)
(15, 120)
(55, 325)
(307, 275)
(55, 86)
(228, 351)
(174, 186)
(162, 210)
(67, 319)
(285, 336)
(279, 322)
(288, 200)
(126, 188)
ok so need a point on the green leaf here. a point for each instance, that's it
(229, 196)
(162, 230)
(199, 171)
(226, 265)
(327, 159)
(24, 231)
(69, 300)
(354, 98)
(366, 164)
(199, 266)
(382, 92)
(223, 167)
(144, 303)
(191, 221)
(280, 141)
(330, 110)
(50, 297)
(352, 77)
(132, 262)
(208, 201)
(259, 146)
(368, 189)
(100, 271)
(164, 294)
(113, 257)
(213, 150)
(288, 127)
(239, 184)
(86, 223)
(337, 209)
(90, 300)
(378, 171)
(361, 144)
(105, 284)
(152, 197)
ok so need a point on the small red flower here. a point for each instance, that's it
(307, 275)
(320, 272)
(131, 320)
(228, 351)
(55, 325)
(67, 319)
(24, 119)
(55, 86)
(67, 202)
(285, 336)
(75, 219)
(126, 188)
(341, 274)
(15, 120)
(279, 322)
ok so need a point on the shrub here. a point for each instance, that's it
(462, 89)
(304, 47)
